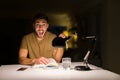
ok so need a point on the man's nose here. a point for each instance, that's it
(40, 26)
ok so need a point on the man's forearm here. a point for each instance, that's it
(58, 54)
(26, 61)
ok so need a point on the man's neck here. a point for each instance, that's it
(39, 39)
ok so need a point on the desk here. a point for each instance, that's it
(9, 72)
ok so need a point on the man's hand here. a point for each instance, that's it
(62, 35)
(41, 60)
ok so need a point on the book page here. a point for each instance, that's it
(52, 63)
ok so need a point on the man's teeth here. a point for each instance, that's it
(41, 32)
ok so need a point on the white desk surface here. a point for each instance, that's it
(9, 72)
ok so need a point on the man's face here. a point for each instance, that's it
(40, 26)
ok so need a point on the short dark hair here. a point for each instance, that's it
(40, 16)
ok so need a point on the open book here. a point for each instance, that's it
(52, 63)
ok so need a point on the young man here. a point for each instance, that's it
(36, 47)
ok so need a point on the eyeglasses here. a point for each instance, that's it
(38, 25)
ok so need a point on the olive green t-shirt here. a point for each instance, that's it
(37, 48)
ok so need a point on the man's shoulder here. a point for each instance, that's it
(30, 35)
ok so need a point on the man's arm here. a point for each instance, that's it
(27, 61)
(58, 53)
(23, 57)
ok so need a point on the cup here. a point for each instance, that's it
(66, 63)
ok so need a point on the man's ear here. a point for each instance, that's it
(47, 25)
(33, 26)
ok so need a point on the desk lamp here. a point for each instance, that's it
(85, 61)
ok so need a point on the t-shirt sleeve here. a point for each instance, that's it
(23, 43)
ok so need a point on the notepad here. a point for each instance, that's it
(52, 63)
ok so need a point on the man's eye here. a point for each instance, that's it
(43, 24)
(40, 25)
(37, 24)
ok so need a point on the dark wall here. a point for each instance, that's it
(110, 39)
(11, 31)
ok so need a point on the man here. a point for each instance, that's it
(36, 47)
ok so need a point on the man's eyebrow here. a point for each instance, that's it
(41, 22)
(44, 22)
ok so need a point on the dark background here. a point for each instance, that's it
(94, 17)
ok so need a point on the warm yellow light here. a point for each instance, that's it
(66, 33)
(75, 37)
(61, 19)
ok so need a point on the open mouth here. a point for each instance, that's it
(40, 33)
